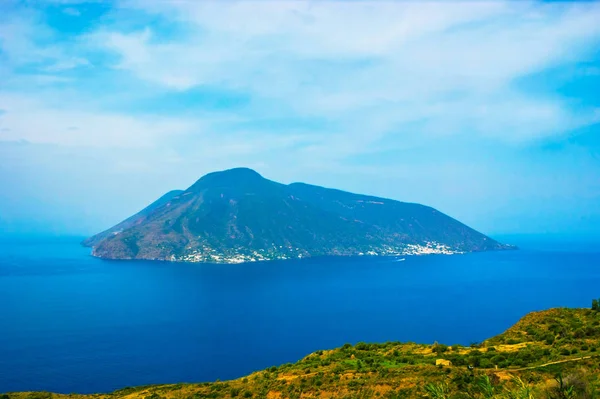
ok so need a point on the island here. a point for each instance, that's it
(237, 215)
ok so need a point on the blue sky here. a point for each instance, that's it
(488, 111)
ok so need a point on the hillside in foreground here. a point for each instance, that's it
(551, 354)
(239, 216)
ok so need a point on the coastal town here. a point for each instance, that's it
(207, 254)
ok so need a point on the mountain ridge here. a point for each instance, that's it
(132, 220)
(237, 215)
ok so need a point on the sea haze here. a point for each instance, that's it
(73, 323)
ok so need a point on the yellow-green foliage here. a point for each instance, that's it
(551, 354)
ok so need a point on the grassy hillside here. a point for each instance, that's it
(551, 354)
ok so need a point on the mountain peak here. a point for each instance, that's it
(239, 171)
(235, 177)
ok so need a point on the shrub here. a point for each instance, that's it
(526, 356)
(474, 361)
(498, 359)
(579, 333)
(247, 394)
(361, 346)
(571, 386)
(549, 338)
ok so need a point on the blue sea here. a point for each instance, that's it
(73, 323)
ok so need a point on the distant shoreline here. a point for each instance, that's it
(306, 258)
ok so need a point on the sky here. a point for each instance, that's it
(487, 111)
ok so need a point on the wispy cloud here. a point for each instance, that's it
(38, 122)
(377, 68)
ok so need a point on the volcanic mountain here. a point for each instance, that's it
(237, 215)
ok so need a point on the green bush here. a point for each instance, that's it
(498, 359)
(440, 348)
(361, 346)
(474, 361)
(579, 333)
(503, 364)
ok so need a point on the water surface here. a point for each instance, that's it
(73, 323)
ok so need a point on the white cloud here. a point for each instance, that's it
(41, 123)
(382, 75)
(374, 68)
(26, 41)
(67, 63)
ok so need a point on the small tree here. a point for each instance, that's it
(440, 348)
(595, 304)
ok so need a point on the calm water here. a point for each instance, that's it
(72, 323)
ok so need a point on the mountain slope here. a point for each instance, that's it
(237, 215)
(132, 220)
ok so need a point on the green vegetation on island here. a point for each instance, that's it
(552, 354)
(238, 216)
